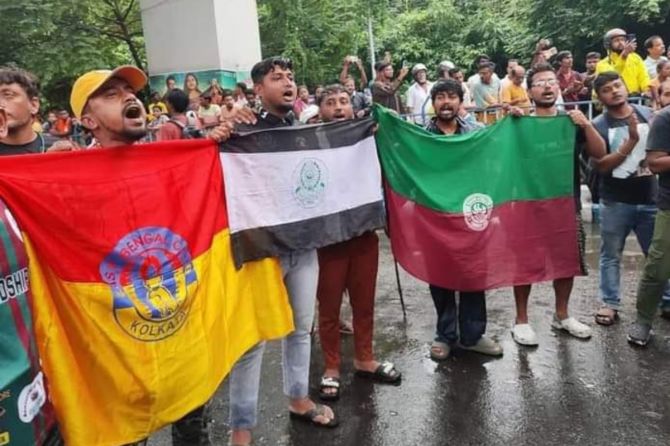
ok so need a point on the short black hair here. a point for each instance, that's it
(593, 55)
(242, 86)
(206, 95)
(650, 41)
(379, 66)
(604, 78)
(330, 90)
(28, 81)
(453, 71)
(449, 86)
(661, 64)
(265, 66)
(562, 55)
(178, 100)
(226, 93)
(170, 78)
(478, 59)
(542, 67)
(490, 65)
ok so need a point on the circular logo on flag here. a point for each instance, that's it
(152, 279)
(477, 210)
(310, 179)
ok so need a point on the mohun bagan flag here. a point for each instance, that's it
(482, 210)
(139, 311)
(297, 188)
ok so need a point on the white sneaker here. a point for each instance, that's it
(523, 334)
(572, 326)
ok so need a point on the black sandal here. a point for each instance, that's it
(331, 383)
(310, 416)
(386, 373)
(606, 319)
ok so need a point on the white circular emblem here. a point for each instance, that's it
(310, 179)
(477, 210)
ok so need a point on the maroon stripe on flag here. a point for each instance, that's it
(524, 242)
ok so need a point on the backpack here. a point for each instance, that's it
(188, 131)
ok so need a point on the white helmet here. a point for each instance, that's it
(418, 67)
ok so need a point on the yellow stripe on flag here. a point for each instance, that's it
(116, 374)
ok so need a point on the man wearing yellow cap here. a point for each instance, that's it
(105, 103)
(622, 58)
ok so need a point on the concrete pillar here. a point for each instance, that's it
(213, 39)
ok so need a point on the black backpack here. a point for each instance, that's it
(188, 131)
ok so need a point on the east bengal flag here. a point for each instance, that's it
(138, 309)
(483, 210)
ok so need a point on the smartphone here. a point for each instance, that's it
(405, 64)
(631, 37)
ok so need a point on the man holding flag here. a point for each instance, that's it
(544, 90)
(464, 324)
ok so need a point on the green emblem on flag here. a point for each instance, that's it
(310, 179)
(477, 210)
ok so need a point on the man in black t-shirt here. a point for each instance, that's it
(627, 187)
(19, 96)
(657, 266)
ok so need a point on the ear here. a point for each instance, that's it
(258, 89)
(3, 123)
(34, 106)
(89, 122)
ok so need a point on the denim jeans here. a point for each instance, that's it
(617, 220)
(467, 321)
(301, 273)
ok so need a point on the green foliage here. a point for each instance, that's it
(60, 39)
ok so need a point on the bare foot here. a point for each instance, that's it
(240, 437)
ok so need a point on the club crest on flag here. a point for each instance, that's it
(310, 179)
(477, 210)
(152, 278)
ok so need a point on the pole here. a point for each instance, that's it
(402, 300)
(371, 40)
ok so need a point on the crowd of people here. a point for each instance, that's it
(628, 146)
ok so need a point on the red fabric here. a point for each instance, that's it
(525, 242)
(115, 177)
(352, 266)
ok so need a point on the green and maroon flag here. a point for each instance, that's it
(482, 210)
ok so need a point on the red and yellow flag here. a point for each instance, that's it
(138, 309)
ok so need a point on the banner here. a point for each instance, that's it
(487, 209)
(299, 188)
(138, 309)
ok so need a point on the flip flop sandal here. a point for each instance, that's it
(606, 319)
(310, 416)
(385, 373)
(329, 383)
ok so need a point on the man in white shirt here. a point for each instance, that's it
(418, 93)
(655, 53)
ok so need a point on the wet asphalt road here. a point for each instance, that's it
(564, 392)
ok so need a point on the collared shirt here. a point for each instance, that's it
(416, 102)
(631, 69)
(384, 94)
(566, 81)
(266, 120)
(513, 92)
(463, 126)
(651, 64)
(486, 95)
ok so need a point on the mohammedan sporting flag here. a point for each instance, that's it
(138, 308)
(298, 188)
(483, 210)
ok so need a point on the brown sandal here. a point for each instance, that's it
(606, 316)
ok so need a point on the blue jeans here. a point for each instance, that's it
(468, 319)
(617, 220)
(301, 273)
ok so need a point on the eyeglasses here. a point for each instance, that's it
(544, 83)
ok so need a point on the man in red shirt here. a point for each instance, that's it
(570, 81)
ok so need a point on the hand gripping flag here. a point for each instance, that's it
(483, 210)
(139, 311)
(297, 188)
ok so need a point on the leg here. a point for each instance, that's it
(617, 220)
(471, 317)
(656, 270)
(447, 315)
(562, 289)
(333, 263)
(644, 230)
(192, 429)
(244, 382)
(361, 283)
(521, 296)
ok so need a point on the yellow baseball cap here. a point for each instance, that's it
(89, 83)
